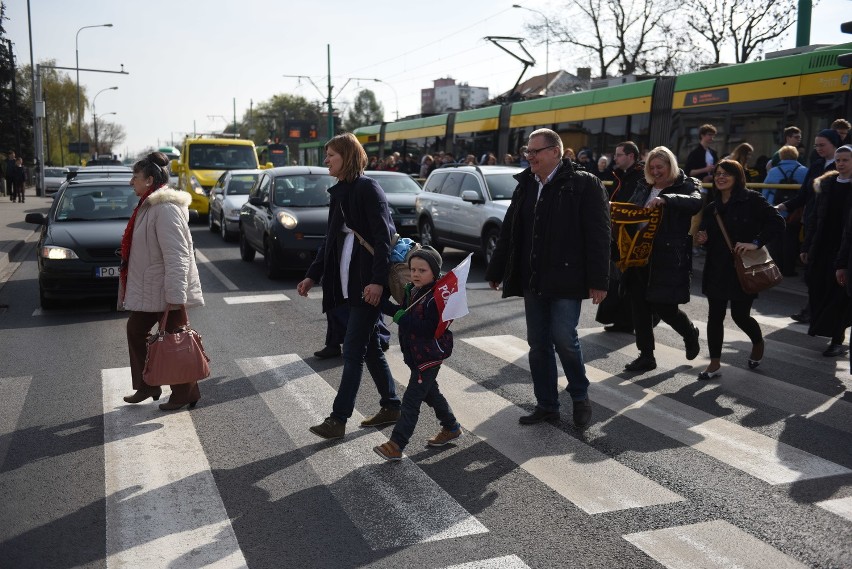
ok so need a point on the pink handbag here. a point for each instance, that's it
(175, 358)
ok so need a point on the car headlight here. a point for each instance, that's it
(287, 220)
(232, 212)
(57, 253)
(196, 185)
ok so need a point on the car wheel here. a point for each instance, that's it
(489, 243)
(246, 251)
(47, 303)
(272, 261)
(223, 229)
(210, 225)
(428, 237)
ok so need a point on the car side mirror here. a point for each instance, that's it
(472, 197)
(36, 218)
(269, 165)
(218, 191)
(174, 166)
(256, 201)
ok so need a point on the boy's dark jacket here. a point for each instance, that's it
(417, 328)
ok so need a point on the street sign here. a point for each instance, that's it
(78, 147)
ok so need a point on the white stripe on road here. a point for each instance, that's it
(588, 478)
(162, 505)
(839, 506)
(710, 544)
(255, 298)
(229, 284)
(507, 562)
(760, 456)
(830, 410)
(393, 504)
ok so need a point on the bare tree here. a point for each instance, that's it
(746, 26)
(110, 135)
(630, 35)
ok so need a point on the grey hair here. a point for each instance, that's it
(551, 137)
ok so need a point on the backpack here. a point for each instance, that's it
(789, 177)
(398, 272)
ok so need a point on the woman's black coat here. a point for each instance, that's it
(670, 267)
(748, 217)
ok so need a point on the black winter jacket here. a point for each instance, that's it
(748, 217)
(570, 236)
(670, 267)
(420, 348)
(365, 208)
(624, 185)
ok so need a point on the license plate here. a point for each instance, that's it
(106, 272)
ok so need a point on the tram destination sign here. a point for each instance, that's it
(706, 97)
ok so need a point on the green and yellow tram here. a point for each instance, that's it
(750, 102)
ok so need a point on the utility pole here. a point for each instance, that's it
(235, 117)
(803, 24)
(330, 108)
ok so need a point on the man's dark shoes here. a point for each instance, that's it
(385, 416)
(582, 413)
(803, 316)
(328, 352)
(693, 348)
(331, 428)
(618, 328)
(833, 350)
(538, 416)
(644, 362)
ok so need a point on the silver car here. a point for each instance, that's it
(226, 198)
(464, 206)
(53, 178)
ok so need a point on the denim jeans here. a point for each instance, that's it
(360, 345)
(417, 393)
(551, 330)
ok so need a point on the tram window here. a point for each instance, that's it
(817, 112)
(686, 124)
(757, 123)
(614, 131)
(640, 131)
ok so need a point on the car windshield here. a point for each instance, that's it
(95, 175)
(54, 172)
(241, 185)
(305, 190)
(221, 157)
(501, 186)
(88, 203)
(398, 184)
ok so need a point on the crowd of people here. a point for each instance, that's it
(13, 177)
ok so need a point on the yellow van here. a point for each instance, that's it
(202, 160)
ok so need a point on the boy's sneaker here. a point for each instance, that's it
(389, 451)
(385, 416)
(331, 428)
(444, 437)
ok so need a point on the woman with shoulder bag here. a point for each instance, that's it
(750, 222)
(158, 272)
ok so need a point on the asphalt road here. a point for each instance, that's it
(751, 470)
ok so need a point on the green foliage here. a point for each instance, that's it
(15, 115)
(364, 112)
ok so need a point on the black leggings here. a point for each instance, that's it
(740, 312)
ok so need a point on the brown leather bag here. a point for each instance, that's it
(756, 270)
(175, 357)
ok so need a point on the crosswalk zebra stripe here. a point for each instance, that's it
(506, 562)
(769, 460)
(830, 410)
(839, 506)
(588, 478)
(710, 544)
(163, 508)
(403, 505)
(255, 298)
(13, 394)
(228, 283)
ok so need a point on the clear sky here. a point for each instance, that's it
(189, 59)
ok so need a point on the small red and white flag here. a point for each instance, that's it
(451, 295)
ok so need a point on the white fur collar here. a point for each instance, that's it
(170, 195)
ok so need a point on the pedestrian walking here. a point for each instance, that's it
(158, 272)
(423, 353)
(553, 251)
(750, 222)
(19, 179)
(353, 275)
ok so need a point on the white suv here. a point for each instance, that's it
(463, 207)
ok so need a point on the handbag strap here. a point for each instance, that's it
(722, 228)
(165, 317)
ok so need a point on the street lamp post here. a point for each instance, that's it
(77, 58)
(546, 44)
(95, 115)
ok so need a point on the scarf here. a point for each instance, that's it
(127, 241)
(634, 250)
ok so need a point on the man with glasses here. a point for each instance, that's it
(553, 251)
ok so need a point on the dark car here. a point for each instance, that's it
(401, 191)
(285, 217)
(80, 242)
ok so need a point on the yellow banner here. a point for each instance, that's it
(634, 247)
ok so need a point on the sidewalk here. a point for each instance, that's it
(14, 231)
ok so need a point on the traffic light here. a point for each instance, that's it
(845, 60)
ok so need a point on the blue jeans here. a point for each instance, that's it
(552, 323)
(417, 393)
(360, 345)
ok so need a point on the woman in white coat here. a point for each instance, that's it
(158, 272)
